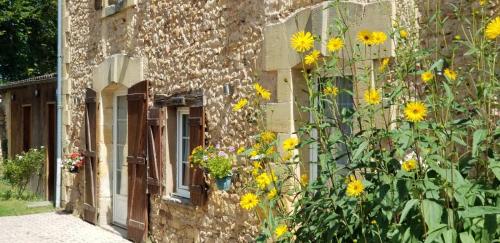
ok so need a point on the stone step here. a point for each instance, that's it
(39, 204)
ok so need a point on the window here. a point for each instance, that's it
(182, 164)
(344, 101)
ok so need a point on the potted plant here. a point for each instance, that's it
(73, 162)
(220, 168)
(215, 162)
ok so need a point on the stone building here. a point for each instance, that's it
(162, 63)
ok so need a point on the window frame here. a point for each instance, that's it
(180, 189)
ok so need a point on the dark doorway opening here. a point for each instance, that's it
(26, 127)
(51, 141)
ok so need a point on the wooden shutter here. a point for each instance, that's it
(137, 212)
(198, 188)
(89, 153)
(98, 4)
(155, 148)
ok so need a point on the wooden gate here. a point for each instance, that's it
(137, 212)
(90, 165)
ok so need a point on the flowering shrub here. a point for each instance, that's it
(73, 161)
(20, 170)
(429, 171)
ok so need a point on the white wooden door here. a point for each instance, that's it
(120, 178)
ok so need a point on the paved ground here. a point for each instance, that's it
(53, 228)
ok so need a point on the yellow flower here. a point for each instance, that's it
(403, 34)
(256, 168)
(287, 156)
(270, 151)
(427, 76)
(378, 38)
(255, 149)
(267, 136)
(263, 180)
(273, 177)
(365, 37)
(372, 97)
(249, 201)
(409, 165)
(256, 164)
(349, 179)
(335, 44)
(355, 188)
(302, 41)
(331, 91)
(415, 111)
(384, 64)
(493, 29)
(373, 222)
(304, 179)
(241, 103)
(240, 150)
(450, 74)
(312, 58)
(280, 230)
(483, 2)
(264, 93)
(272, 194)
(197, 149)
(290, 144)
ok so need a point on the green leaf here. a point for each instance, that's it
(362, 147)
(449, 93)
(450, 236)
(458, 140)
(409, 205)
(432, 213)
(495, 167)
(477, 138)
(473, 212)
(438, 65)
(435, 233)
(465, 237)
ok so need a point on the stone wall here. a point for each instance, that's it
(185, 45)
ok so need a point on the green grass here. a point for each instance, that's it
(12, 206)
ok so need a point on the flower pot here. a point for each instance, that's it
(223, 184)
(74, 169)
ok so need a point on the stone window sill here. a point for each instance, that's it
(116, 8)
(177, 200)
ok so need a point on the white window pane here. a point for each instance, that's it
(185, 150)
(121, 132)
(122, 107)
(185, 126)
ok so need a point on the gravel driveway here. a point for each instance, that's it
(52, 228)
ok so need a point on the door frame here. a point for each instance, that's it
(113, 166)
